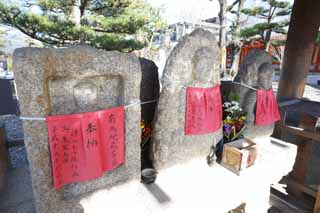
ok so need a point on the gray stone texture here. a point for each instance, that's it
(255, 71)
(14, 132)
(17, 197)
(13, 127)
(194, 62)
(149, 89)
(74, 80)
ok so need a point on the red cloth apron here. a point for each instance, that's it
(267, 111)
(203, 110)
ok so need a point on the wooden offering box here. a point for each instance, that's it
(238, 155)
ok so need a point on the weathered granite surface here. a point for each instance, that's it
(74, 80)
(255, 71)
(194, 62)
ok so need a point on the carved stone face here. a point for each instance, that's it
(85, 94)
(250, 77)
(265, 76)
(203, 62)
(256, 70)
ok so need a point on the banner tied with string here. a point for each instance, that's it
(84, 146)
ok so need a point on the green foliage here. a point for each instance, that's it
(255, 11)
(268, 14)
(234, 97)
(278, 43)
(2, 40)
(9, 63)
(277, 4)
(230, 96)
(318, 38)
(124, 25)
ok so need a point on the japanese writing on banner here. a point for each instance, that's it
(66, 149)
(113, 150)
(267, 111)
(203, 110)
(92, 144)
(83, 146)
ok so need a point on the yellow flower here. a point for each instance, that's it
(230, 122)
(243, 117)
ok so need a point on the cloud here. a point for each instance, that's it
(182, 10)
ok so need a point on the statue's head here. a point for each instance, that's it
(85, 94)
(265, 76)
(256, 70)
(203, 65)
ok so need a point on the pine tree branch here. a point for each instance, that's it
(232, 5)
(83, 6)
(262, 16)
(274, 9)
(109, 29)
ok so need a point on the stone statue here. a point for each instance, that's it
(194, 62)
(255, 71)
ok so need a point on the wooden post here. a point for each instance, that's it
(317, 203)
(303, 28)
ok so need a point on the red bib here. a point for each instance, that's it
(267, 111)
(203, 110)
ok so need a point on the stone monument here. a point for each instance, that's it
(194, 62)
(74, 80)
(255, 71)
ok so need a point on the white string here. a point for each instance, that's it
(141, 103)
(31, 118)
(244, 85)
(165, 79)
